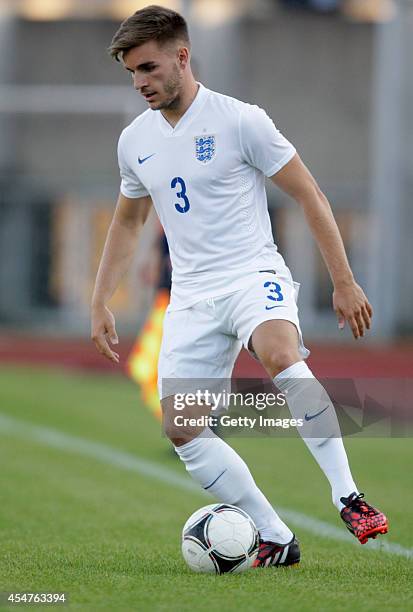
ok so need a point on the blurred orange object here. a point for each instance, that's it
(369, 11)
(142, 363)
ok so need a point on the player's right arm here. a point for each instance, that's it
(127, 223)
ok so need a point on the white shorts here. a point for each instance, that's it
(203, 341)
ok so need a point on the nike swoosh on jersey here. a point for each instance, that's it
(143, 160)
(277, 306)
(313, 416)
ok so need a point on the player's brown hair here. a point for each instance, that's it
(150, 23)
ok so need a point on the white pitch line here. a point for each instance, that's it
(126, 461)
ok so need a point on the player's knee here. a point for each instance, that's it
(279, 360)
(178, 440)
(177, 436)
(170, 430)
(177, 432)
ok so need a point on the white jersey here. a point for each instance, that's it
(206, 178)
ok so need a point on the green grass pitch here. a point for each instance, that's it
(110, 537)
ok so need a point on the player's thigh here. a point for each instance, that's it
(196, 354)
(276, 344)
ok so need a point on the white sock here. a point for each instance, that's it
(321, 432)
(222, 472)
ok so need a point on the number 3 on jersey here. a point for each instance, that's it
(177, 183)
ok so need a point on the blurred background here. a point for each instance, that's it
(336, 77)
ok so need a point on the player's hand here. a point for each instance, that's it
(351, 304)
(103, 332)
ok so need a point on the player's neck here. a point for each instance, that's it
(188, 95)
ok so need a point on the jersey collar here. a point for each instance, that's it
(187, 117)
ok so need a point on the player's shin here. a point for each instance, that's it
(308, 401)
(221, 471)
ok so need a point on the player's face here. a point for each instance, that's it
(157, 73)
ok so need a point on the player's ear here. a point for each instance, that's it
(183, 57)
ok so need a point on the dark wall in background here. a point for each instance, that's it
(294, 66)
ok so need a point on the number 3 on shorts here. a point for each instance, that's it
(274, 289)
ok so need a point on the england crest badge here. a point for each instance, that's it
(205, 148)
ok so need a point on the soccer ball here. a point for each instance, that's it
(220, 539)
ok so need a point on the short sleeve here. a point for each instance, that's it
(130, 186)
(262, 144)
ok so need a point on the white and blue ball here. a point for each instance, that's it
(220, 539)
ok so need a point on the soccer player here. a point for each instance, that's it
(201, 158)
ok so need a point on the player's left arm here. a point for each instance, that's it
(349, 300)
